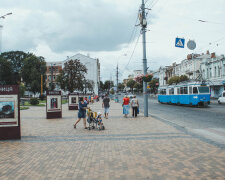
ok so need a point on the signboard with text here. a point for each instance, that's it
(9, 112)
(54, 105)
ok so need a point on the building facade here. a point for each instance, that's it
(208, 67)
(92, 65)
(53, 70)
(93, 68)
(213, 71)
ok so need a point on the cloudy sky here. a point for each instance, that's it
(106, 29)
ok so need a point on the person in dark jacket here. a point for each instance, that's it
(82, 113)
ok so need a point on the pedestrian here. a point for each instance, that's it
(126, 106)
(81, 113)
(135, 105)
(89, 98)
(105, 105)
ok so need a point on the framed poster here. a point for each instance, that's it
(9, 112)
(54, 104)
(73, 99)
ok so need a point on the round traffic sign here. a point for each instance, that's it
(191, 44)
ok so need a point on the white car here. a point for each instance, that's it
(222, 98)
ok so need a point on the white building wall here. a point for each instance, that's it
(92, 68)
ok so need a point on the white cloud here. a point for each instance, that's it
(56, 29)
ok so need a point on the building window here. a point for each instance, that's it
(210, 72)
(215, 72)
(219, 71)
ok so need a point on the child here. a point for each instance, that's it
(100, 123)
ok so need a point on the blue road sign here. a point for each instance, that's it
(179, 42)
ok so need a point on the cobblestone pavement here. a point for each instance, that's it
(129, 148)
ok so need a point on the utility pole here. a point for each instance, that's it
(143, 23)
(117, 79)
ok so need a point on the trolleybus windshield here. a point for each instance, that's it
(203, 89)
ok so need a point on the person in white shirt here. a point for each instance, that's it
(135, 105)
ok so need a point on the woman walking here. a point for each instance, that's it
(134, 105)
(81, 113)
(126, 106)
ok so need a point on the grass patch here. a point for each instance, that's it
(28, 104)
(24, 108)
(64, 101)
(42, 101)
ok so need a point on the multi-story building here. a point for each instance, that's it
(213, 71)
(53, 70)
(92, 65)
(93, 68)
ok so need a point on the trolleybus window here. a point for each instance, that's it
(178, 90)
(203, 89)
(190, 90)
(181, 90)
(171, 91)
(195, 90)
(185, 90)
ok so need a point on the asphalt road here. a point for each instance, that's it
(207, 122)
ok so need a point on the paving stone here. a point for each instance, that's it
(129, 148)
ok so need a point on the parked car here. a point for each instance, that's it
(222, 98)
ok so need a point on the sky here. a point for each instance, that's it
(105, 29)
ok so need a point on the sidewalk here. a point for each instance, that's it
(129, 148)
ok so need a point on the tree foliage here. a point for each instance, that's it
(131, 84)
(121, 86)
(32, 70)
(72, 76)
(154, 83)
(108, 84)
(6, 72)
(16, 59)
(177, 79)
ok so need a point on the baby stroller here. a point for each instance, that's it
(94, 120)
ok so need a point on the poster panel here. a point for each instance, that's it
(54, 103)
(73, 100)
(8, 110)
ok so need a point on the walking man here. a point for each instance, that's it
(105, 104)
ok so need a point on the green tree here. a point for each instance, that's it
(17, 62)
(154, 85)
(183, 78)
(108, 84)
(121, 86)
(131, 84)
(138, 86)
(112, 91)
(6, 72)
(101, 86)
(22, 90)
(89, 85)
(175, 79)
(72, 76)
(32, 70)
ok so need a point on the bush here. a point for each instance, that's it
(42, 97)
(34, 101)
